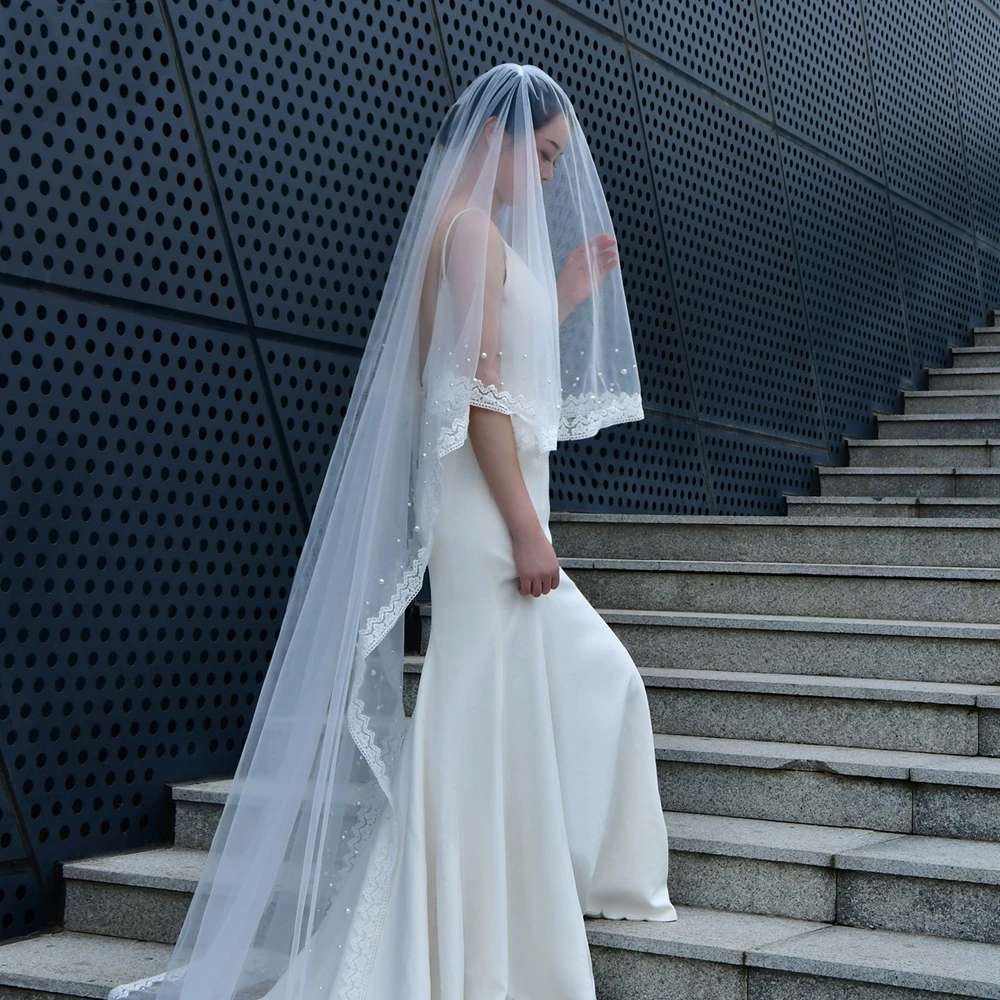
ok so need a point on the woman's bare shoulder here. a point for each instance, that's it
(466, 226)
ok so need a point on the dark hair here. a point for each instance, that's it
(543, 102)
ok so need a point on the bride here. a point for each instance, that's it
(453, 858)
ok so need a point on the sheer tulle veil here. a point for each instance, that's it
(295, 852)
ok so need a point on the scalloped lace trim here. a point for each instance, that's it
(366, 929)
(492, 397)
(584, 415)
(367, 925)
(579, 416)
(464, 392)
(139, 987)
(375, 629)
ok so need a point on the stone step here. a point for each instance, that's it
(846, 647)
(197, 810)
(835, 711)
(142, 895)
(59, 963)
(924, 715)
(935, 795)
(975, 357)
(958, 878)
(986, 336)
(871, 481)
(969, 509)
(974, 402)
(928, 716)
(710, 955)
(960, 426)
(774, 539)
(963, 378)
(860, 878)
(908, 593)
(903, 454)
(947, 795)
(953, 652)
(707, 954)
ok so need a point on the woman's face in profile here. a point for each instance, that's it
(551, 140)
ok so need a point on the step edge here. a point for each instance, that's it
(753, 840)
(737, 568)
(936, 417)
(784, 956)
(758, 521)
(890, 443)
(777, 937)
(910, 470)
(800, 500)
(899, 765)
(789, 623)
(97, 988)
(760, 941)
(951, 393)
(943, 693)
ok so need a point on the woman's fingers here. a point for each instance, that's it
(605, 249)
(537, 586)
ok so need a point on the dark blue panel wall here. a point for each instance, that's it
(198, 207)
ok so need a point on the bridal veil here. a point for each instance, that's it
(316, 772)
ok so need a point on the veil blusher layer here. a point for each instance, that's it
(296, 847)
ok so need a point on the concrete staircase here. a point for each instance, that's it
(825, 696)
(939, 458)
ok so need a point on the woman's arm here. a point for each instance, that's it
(492, 432)
(492, 437)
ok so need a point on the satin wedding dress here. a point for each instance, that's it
(527, 782)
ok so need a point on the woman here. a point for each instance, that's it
(455, 863)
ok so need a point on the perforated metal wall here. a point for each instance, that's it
(199, 202)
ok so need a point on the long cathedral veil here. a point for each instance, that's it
(296, 850)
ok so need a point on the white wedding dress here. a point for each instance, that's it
(527, 781)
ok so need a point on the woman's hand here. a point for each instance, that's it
(577, 280)
(536, 562)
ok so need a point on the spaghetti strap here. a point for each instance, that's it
(444, 242)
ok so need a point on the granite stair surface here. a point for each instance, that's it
(937, 459)
(824, 692)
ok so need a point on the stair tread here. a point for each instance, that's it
(916, 961)
(90, 965)
(785, 568)
(846, 848)
(210, 790)
(792, 623)
(807, 685)
(761, 520)
(989, 370)
(952, 393)
(83, 965)
(924, 501)
(903, 765)
(812, 685)
(939, 417)
(164, 866)
(178, 868)
(907, 470)
(804, 623)
(922, 442)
